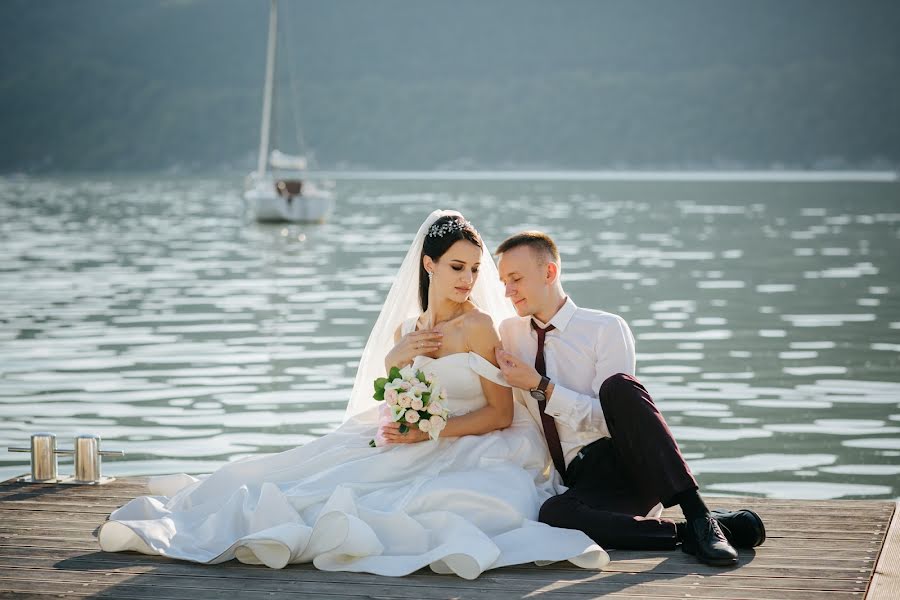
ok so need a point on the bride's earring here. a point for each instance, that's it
(430, 276)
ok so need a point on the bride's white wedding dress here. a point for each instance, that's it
(459, 505)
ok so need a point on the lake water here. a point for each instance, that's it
(156, 313)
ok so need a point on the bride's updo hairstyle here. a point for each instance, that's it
(445, 232)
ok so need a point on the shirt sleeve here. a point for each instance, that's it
(615, 354)
(615, 351)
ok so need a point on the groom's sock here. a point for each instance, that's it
(692, 504)
(679, 531)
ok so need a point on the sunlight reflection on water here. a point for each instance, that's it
(159, 315)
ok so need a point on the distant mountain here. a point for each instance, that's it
(422, 84)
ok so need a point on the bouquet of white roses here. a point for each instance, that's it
(412, 400)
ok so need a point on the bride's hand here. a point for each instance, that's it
(411, 345)
(391, 433)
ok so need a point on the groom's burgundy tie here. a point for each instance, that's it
(547, 421)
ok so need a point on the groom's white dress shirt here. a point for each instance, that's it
(587, 347)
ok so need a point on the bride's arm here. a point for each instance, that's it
(391, 360)
(482, 338)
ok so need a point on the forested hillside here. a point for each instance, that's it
(423, 84)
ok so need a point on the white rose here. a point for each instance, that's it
(392, 385)
(435, 407)
(411, 416)
(420, 387)
(405, 401)
(408, 373)
(404, 385)
(437, 422)
(425, 425)
(416, 404)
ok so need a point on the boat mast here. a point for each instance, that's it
(267, 92)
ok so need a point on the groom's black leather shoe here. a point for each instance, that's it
(743, 528)
(704, 539)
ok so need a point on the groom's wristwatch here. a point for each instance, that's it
(540, 392)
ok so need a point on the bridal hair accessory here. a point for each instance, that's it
(411, 400)
(457, 224)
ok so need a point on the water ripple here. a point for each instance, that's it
(158, 314)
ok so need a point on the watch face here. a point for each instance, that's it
(538, 395)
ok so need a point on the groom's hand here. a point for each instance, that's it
(516, 372)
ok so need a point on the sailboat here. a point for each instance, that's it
(277, 190)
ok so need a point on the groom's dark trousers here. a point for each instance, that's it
(616, 480)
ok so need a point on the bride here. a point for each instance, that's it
(463, 503)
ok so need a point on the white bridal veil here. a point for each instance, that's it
(402, 302)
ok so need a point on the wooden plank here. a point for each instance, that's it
(120, 484)
(442, 586)
(772, 520)
(130, 559)
(864, 530)
(774, 546)
(812, 566)
(13, 552)
(775, 522)
(121, 496)
(503, 576)
(837, 557)
(24, 539)
(817, 545)
(821, 549)
(827, 538)
(66, 521)
(885, 584)
(61, 530)
(673, 563)
(55, 531)
(39, 506)
(878, 523)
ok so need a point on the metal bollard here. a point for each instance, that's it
(87, 460)
(87, 453)
(43, 459)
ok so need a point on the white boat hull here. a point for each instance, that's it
(314, 205)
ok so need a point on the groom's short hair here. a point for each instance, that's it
(540, 243)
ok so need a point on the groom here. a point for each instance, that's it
(573, 368)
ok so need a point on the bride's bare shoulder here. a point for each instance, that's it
(479, 324)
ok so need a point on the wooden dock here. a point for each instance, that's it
(815, 550)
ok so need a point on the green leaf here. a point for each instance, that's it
(378, 395)
(380, 383)
(421, 376)
(425, 397)
(394, 373)
(404, 428)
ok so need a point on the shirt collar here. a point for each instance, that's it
(562, 317)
